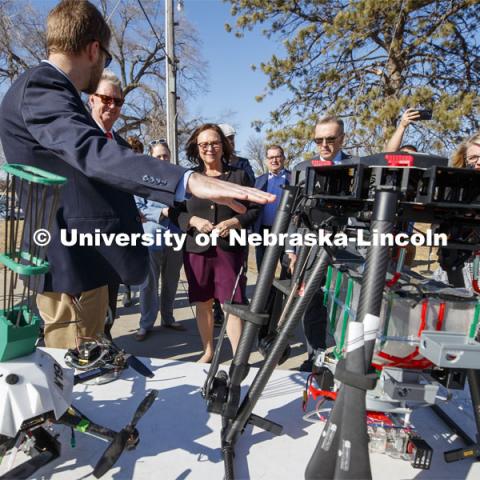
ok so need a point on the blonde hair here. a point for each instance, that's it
(73, 24)
(110, 77)
(459, 159)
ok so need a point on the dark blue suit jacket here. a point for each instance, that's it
(44, 123)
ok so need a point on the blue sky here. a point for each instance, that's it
(232, 83)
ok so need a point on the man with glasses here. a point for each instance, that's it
(329, 137)
(272, 182)
(44, 123)
(105, 105)
(165, 263)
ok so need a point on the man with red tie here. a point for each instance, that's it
(106, 105)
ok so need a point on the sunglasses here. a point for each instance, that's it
(108, 56)
(161, 141)
(106, 100)
(327, 140)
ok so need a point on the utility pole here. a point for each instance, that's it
(171, 80)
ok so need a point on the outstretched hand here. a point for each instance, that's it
(409, 116)
(226, 193)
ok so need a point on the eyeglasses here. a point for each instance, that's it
(328, 140)
(275, 157)
(161, 141)
(108, 56)
(204, 145)
(106, 100)
(473, 160)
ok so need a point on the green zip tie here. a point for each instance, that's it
(474, 325)
(338, 284)
(34, 174)
(82, 425)
(328, 281)
(348, 303)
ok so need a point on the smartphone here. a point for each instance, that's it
(424, 114)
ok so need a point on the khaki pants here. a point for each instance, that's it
(66, 322)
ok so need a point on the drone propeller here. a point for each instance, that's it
(133, 362)
(119, 442)
(138, 366)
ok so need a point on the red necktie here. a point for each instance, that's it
(109, 135)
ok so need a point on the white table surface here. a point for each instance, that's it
(180, 440)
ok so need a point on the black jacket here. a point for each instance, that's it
(213, 212)
(44, 123)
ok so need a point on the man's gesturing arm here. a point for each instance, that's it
(226, 193)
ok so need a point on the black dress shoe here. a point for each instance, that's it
(306, 366)
(176, 326)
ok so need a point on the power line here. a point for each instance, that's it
(113, 11)
(149, 22)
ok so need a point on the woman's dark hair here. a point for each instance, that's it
(135, 143)
(191, 149)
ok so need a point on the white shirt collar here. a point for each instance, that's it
(281, 173)
(336, 159)
(112, 131)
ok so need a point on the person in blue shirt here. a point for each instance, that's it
(272, 182)
(164, 262)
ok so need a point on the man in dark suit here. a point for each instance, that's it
(271, 182)
(44, 123)
(329, 138)
(105, 106)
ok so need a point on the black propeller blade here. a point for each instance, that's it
(135, 363)
(119, 442)
(138, 366)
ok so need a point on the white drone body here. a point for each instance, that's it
(30, 386)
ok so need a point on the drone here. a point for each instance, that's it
(96, 358)
(102, 359)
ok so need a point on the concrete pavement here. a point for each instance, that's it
(170, 344)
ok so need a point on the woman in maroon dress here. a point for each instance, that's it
(212, 270)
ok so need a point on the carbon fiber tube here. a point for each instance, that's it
(324, 462)
(474, 386)
(312, 286)
(228, 457)
(262, 288)
(374, 276)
